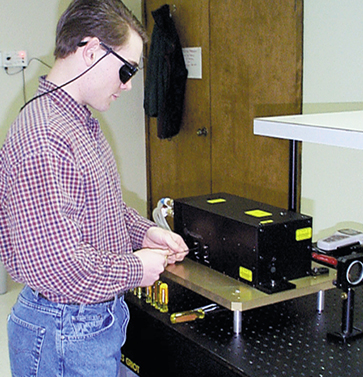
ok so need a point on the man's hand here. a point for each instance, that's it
(159, 238)
(154, 262)
(160, 248)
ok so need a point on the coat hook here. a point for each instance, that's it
(173, 10)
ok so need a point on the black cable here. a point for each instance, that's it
(22, 70)
(67, 83)
(23, 76)
(24, 92)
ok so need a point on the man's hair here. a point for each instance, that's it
(108, 20)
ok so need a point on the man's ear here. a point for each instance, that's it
(91, 51)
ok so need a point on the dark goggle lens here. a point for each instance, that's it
(126, 73)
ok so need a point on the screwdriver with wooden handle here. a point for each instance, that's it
(192, 315)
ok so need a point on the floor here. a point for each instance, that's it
(7, 300)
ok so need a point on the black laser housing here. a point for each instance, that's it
(259, 244)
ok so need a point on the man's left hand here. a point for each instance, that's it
(159, 238)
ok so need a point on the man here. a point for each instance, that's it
(65, 231)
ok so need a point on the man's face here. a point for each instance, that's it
(104, 86)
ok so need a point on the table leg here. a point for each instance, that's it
(237, 322)
(321, 301)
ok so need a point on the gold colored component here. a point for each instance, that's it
(154, 295)
(139, 292)
(149, 295)
(190, 315)
(155, 298)
(163, 297)
(344, 295)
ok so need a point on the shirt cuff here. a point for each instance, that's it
(135, 271)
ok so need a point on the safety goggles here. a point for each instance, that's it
(127, 71)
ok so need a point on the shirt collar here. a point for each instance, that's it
(64, 101)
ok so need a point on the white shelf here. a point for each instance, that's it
(343, 129)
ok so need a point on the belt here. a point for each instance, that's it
(119, 295)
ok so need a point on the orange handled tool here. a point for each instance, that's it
(192, 315)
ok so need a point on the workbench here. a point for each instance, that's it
(237, 296)
(282, 334)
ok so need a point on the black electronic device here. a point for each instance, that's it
(350, 271)
(349, 276)
(347, 259)
(259, 244)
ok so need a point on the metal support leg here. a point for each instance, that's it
(348, 331)
(321, 301)
(237, 322)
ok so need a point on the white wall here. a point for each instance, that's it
(30, 25)
(332, 180)
(332, 177)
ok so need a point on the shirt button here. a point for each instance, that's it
(62, 337)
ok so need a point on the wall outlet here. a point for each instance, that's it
(14, 59)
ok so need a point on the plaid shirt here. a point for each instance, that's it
(64, 228)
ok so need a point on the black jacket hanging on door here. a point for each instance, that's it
(166, 75)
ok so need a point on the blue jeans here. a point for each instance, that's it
(48, 339)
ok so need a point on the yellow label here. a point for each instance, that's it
(303, 234)
(215, 201)
(245, 273)
(258, 213)
(132, 366)
(130, 363)
(266, 221)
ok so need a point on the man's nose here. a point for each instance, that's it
(127, 86)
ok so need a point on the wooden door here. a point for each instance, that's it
(252, 66)
(181, 166)
(256, 67)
